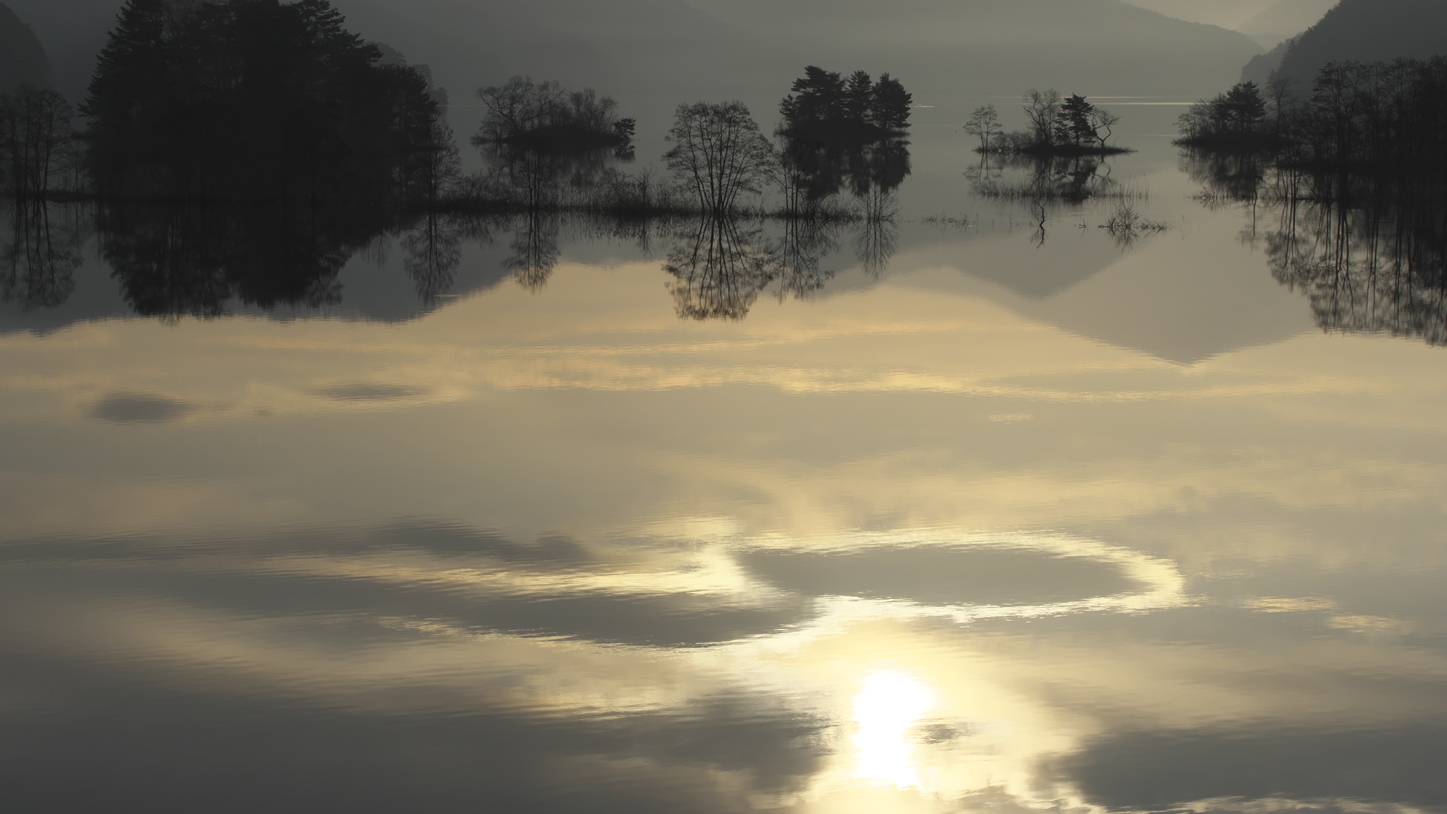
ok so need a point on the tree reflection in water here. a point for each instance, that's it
(1368, 251)
(38, 261)
(175, 261)
(434, 250)
(720, 268)
(534, 248)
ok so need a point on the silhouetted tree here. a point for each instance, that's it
(984, 124)
(256, 99)
(1042, 108)
(890, 107)
(719, 153)
(544, 116)
(1073, 121)
(36, 141)
(825, 107)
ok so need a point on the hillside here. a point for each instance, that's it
(1367, 31)
(1285, 19)
(72, 32)
(965, 47)
(22, 58)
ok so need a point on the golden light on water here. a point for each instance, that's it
(888, 705)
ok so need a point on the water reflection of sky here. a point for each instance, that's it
(1006, 529)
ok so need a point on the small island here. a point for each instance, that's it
(824, 107)
(545, 117)
(1059, 127)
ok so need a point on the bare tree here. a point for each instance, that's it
(518, 106)
(1281, 99)
(1042, 107)
(1102, 124)
(35, 140)
(719, 153)
(984, 124)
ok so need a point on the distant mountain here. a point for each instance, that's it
(1367, 31)
(964, 47)
(73, 32)
(1285, 19)
(671, 51)
(22, 57)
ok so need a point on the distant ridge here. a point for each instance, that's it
(73, 32)
(22, 57)
(1368, 31)
(1285, 19)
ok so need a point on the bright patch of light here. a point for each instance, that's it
(887, 706)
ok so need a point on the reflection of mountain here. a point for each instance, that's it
(1369, 31)
(22, 59)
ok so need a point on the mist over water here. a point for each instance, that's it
(344, 472)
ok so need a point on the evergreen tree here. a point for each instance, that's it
(256, 99)
(858, 94)
(890, 106)
(1074, 123)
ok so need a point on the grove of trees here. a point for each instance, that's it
(824, 105)
(257, 100)
(1358, 115)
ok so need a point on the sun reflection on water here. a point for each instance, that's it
(888, 705)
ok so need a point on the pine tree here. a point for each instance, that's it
(890, 106)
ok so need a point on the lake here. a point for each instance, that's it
(974, 506)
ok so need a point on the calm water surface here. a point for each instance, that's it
(990, 518)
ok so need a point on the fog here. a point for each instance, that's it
(674, 50)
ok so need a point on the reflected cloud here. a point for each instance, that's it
(140, 408)
(1151, 771)
(371, 392)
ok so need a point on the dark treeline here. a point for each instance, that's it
(1379, 116)
(257, 100)
(1356, 177)
(1369, 250)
